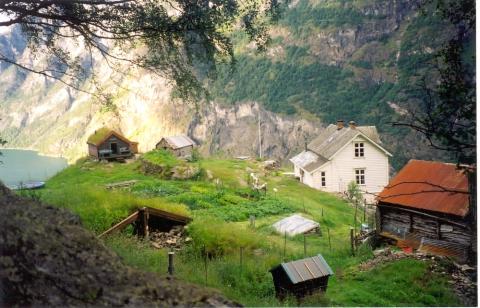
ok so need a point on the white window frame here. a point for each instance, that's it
(323, 179)
(360, 176)
(359, 149)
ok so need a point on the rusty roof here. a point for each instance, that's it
(306, 269)
(429, 185)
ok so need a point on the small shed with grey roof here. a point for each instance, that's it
(301, 277)
(182, 146)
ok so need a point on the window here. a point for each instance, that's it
(359, 149)
(360, 176)
(323, 179)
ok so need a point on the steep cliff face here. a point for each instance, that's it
(43, 115)
(328, 60)
(238, 131)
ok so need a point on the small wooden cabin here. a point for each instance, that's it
(301, 277)
(426, 207)
(182, 146)
(108, 144)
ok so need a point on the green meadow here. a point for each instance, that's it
(239, 254)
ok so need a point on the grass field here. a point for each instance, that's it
(220, 208)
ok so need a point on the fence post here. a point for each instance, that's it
(364, 210)
(241, 259)
(352, 241)
(329, 241)
(355, 217)
(205, 261)
(143, 228)
(304, 245)
(170, 262)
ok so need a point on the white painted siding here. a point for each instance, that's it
(375, 163)
(296, 170)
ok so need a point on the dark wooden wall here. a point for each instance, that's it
(181, 152)
(442, 227)
(120, 143)
(92, 150)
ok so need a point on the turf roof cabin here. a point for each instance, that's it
(426, 207)
(108, 144)
(301, 277)
(181, 146)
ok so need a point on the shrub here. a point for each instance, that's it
(219, 237)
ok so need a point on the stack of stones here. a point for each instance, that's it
(174, 239)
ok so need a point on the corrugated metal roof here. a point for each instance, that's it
(307, 269)
(180, 141)
(295, 224)
(333, 139)
(308, 160)
(304, 159)
(428, 185)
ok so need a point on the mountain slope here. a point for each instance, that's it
(353, 60)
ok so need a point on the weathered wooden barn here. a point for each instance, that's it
(182, 146)
(301, 277)
(426, 207)
(107, 144)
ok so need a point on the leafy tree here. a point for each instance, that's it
(447, 113)
(354, 193)
(171, 37)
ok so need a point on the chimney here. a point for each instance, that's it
(340, 124)
(352, 124)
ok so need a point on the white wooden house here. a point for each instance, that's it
(340, 155)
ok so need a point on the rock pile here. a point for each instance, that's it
(174, 239)
(382, 256)
(463, 280)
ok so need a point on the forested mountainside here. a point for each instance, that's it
(354, 60)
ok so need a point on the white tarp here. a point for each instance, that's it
(295, 224)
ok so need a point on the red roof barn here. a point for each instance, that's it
(426, 206)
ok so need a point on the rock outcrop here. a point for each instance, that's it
(48, 259)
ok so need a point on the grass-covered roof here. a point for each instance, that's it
(99, 135)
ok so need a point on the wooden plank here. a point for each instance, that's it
(121, 224)
(171, 216)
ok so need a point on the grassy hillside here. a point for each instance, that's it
(220, 208)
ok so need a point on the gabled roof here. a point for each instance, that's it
(178, 142)
(332, 139)
(429, 185)
(102, 134)
(295, 224)
(306, 269)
